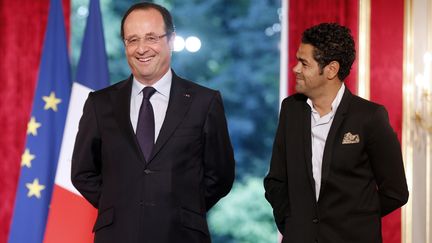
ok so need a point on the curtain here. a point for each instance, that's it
(304, 14)
(386, 78)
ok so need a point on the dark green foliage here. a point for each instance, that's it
(241, 61)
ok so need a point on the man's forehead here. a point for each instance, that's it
(306, 48)
(148, 20)
(305, 51)
(149, 14)
(145, 11)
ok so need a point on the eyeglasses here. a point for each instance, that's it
(148, 39)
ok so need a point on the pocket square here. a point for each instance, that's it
(350, 138)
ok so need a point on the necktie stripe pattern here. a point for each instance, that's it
(145, 131)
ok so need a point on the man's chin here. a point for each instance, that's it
(298, 89)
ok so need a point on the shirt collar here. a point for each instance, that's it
(162, 86)
(338, 98)
(335, 102)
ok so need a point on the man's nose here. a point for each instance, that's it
(296, 68)
(142, 47)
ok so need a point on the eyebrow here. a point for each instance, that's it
(147, 34)
(302, 60)
(130, 36)
(150, 34)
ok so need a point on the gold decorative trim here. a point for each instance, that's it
(428, 187)
(363, 82)
(429, 135)
(407, 140)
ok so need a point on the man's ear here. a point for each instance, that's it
(171, 40)
(332, 69)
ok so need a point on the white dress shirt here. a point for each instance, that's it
(320, 127)
(159, 101)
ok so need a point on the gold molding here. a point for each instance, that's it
(407, 140)
(428, 135)
(428, 187)
(363, 82)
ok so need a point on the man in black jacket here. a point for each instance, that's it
(153, 152)
(336, 166)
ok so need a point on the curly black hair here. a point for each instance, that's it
(331, 42)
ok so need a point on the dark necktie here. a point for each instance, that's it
(145, 131)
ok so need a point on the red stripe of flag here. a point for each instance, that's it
(75, 218)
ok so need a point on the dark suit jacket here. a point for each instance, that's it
(361, 181)
(166, 198)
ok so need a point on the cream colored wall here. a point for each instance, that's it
(417, 215)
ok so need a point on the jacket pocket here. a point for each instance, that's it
(187, 132)
(104, 219)
(194, 221)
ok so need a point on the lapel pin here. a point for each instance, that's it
(187, 95)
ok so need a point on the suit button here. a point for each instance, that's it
(315, 221)
(147, 171)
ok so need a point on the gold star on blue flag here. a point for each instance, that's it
(44, 135)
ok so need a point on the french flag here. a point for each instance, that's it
(71, 217)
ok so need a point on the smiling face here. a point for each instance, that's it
(310, 78)
(148, 61)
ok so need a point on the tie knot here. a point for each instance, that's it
(148, 92)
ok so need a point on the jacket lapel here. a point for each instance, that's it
(308, 143)
(328, 148)
(179, 103)
(121, 103)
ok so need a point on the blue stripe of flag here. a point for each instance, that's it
(92, 70)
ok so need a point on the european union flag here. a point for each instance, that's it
(44, 134)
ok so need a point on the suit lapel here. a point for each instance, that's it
(179, 103)
(308, 143)
(329, 145)
(121, 102)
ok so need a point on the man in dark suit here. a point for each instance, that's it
(153, 153)
(336, 166)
